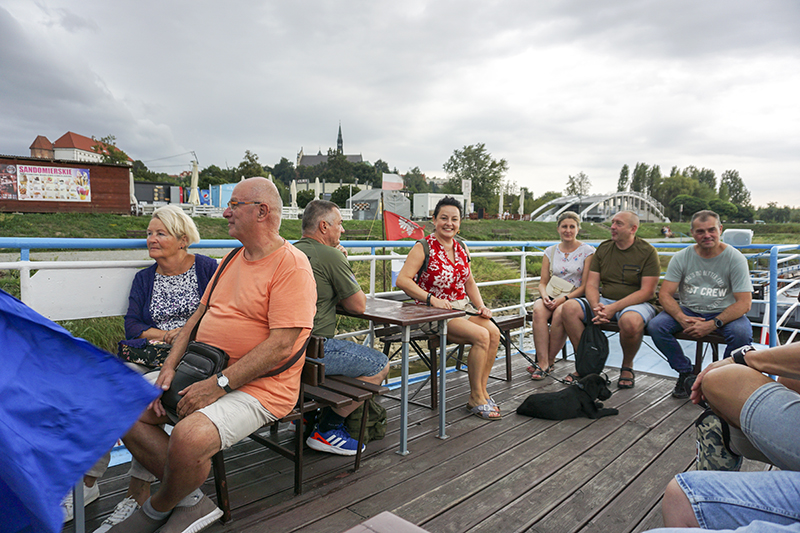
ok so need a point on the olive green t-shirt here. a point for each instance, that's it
(335, 282)
(621, 271)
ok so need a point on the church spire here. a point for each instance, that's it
(339, 142)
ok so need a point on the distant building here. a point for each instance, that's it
(313, 160)
(69, 147)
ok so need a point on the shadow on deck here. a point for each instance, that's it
(518, 474)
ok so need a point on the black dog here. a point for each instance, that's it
(573, 402)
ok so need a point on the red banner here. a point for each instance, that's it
(398, 227)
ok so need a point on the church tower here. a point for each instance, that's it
(339, 142)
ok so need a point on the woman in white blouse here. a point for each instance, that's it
(568, 260)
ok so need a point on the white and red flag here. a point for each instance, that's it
(399, 227)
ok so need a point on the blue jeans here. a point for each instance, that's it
(769, 419)
(346, 358)
(663, 328)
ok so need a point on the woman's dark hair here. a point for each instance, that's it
(448, 200)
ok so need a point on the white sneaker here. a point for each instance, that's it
(90, 494)
(123, 510)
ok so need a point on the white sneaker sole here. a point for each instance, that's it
(322, 447)
(202, 523)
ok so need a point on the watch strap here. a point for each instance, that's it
(226, 387)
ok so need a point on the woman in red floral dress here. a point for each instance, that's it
(447, 283)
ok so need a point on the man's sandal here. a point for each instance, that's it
(572, 378)
(631, 379)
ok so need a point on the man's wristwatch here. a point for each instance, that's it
(718, 323)
(738, 354)
(222, 381)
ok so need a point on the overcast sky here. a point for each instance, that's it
(552, 87)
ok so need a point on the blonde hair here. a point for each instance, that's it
(178, 223)
(571, 215)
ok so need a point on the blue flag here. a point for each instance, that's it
(63, 404)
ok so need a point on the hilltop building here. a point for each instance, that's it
(313, 160)
(69, 147)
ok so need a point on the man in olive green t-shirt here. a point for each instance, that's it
(622, 282)
(336, 284)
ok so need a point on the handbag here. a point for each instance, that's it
(143, 352)
(557, 286)
(201, 360)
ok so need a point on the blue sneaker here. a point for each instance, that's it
(337, 441)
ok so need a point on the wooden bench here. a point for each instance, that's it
(501, 233)
(316, 391)
(391, 335)
(713, 340)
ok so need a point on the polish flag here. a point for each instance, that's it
(392, 182)
(398, 227)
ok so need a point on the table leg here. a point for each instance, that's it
(404, 393)
(442, 377)
(78, 512)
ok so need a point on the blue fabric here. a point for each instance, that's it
(138, 318)
(63, 404)
(663, 328)
(345, 358)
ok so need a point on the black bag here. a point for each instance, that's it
(143, 352)
(201, 361)
(592, 352)
(376, 425)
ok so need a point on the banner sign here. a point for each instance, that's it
(8, 182)
(56, 184)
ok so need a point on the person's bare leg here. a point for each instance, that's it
(572, 318)
(193, 442)
(728, 387)
(676, 508)
(466, 332)
(558, 335)
(631, 331)
(541, 333)
(139, 490)
(148, 442)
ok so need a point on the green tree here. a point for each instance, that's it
(725, 210)
(690, 204)
(304, 197)
(724, 192)
(213, 175)
(107, 147)
(624, 176)
(339, 169)
(653, 180)
(578, 185)
(739, 194)
(342, 194)
(250, 167)
(363, 172)
(672, 186)
(639, 179)
(284, 171)
(475, 163)
(543, 199)
(708, 177)
(414, 180)
(745, 213)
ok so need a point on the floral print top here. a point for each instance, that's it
(443, 278)
(569, 266)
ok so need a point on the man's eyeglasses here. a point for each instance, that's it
(234, 205)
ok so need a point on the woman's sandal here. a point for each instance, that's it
(632, 379)
(572, 378)
(485, 411)
(540, 374)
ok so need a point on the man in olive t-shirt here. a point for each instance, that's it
(622, 282)
(336, 285)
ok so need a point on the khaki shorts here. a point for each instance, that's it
(432, 328)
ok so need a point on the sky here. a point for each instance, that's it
(554, 87)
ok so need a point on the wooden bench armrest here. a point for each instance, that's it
(358, 394)
(372, 387)
(327, 397)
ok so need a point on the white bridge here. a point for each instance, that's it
(599, 208)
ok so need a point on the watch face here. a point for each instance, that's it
(222, 380)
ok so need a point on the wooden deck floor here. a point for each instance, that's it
(518, 474)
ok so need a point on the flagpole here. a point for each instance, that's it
(383, 222)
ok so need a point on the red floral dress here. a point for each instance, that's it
(443, 278)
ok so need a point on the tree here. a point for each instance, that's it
(691, 205)
(304, 197)
(739, 194)
(284, 171)
(707, 177)
(653, 179)
(624, 175)
(213, 175)
(363, 172)
(639, 180)
(745, 213)
(475, 163)
(543, 199)
(342, 194)
(578, 185)
(414, 180)
(724, 192)
(725, 210)
(250, 167)
(339, 168)
(107, 147)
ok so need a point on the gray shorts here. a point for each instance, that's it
(646, 310)
(770, 420)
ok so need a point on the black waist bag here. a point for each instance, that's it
(201, 361)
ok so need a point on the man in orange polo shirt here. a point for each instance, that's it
(261, 313)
